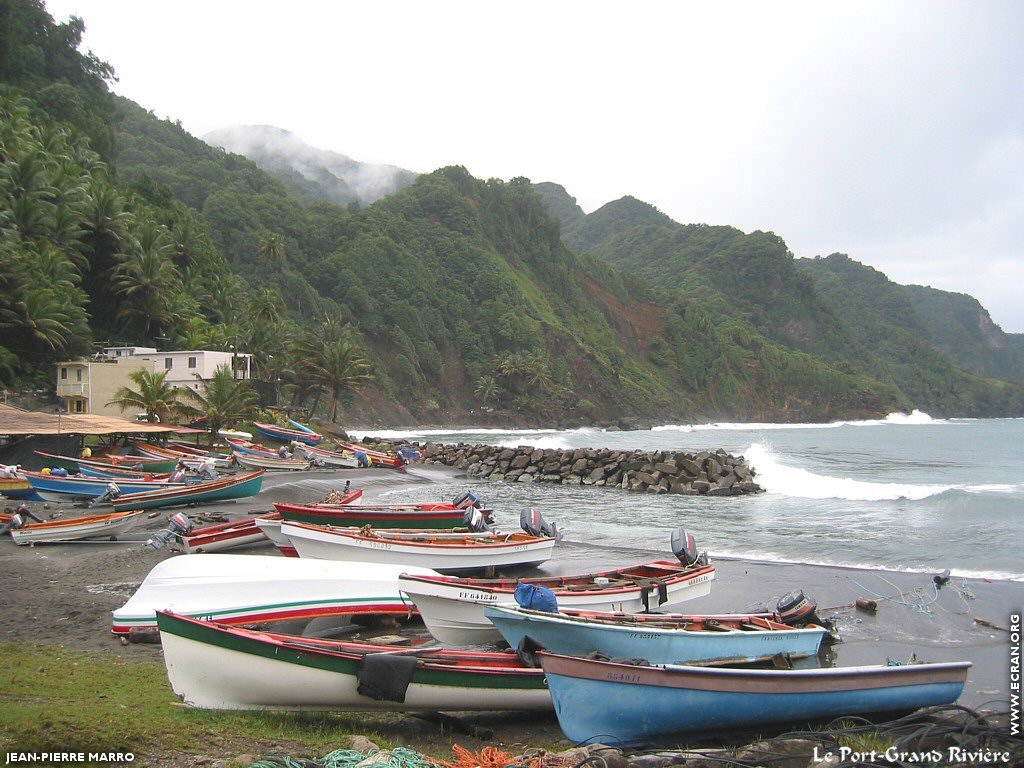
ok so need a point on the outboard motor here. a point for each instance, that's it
(467, 499)
(16, 522)
(684, 547)
(177, 525)
(23, 512)
(112, 492)
(531, 521)
(797, 610)
(477, 520)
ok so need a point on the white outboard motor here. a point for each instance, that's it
(531, 521)
(16, 522)
(465, 500)
(177, 525)
(477, 520)
(684, 547)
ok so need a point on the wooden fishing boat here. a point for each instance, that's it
(237, 487)
(154, 451)
(218, 667)
(285, 435)
(252, 461)
(257, 588)
(453, 607)
(112, 462)
(442, 551)
(114, 473)
(17, 488)
(302, 427)
(376, 458)
(443, 516)
(221, 536)
(56, 488)
(77, 528)
(330, 458)
(271, 528)
(633, 705)
(247, 447)
(659, 638)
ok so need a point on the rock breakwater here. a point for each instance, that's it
(711, 473)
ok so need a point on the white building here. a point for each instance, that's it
(87, 386)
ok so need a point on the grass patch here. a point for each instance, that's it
(53, 698)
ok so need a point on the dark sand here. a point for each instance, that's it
(64, 593)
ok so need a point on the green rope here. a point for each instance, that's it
(346, 758)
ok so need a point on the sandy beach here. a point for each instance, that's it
(64, 593)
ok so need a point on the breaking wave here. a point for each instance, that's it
(780, 478)
(914, 418)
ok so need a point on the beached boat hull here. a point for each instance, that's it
(115, 462)
(252, 461)
(329, 458)
(55, 488)
(377, 458)
(76, 529)
(222, 536)
(284, 435)
(238, 487)
(249, 449)
(631, 705)
(358, 516)
(213, 667)
(253, 588)
(17, 488)
(453, 609)
(332, 543)
(271, 528)
(564, 634)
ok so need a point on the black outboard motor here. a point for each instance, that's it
(477, 520)
(684, 547)
(797, 610)
(465, 500)
(531, 521)
(177, 525)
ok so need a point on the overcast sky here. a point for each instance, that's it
(892, 131)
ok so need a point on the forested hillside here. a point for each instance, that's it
(462, 292)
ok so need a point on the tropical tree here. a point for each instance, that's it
(154, 395)
(272, 249)
(146, 281)
(487, 388)
(340, 367)
(222, 399)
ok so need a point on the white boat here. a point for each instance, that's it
(77, 528)
(320, 456)
(211, 666)
(252, 461)
(453, 608)
(271, 528)
(441, 550)
(245, 589)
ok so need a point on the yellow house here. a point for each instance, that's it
(86, 386)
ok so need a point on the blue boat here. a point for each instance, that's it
(302, 427)
(626, 705)
(658, 638)
(285, 435)
(57, 488)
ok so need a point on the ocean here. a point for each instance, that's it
(907, 492)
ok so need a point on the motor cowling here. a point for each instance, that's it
(684, 547)
(531, 521)
(797, 610)
(477, 519)
(177, 525)
(464, 500)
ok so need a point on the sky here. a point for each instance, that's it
(890, 131)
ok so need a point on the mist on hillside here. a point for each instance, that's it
(311, 172)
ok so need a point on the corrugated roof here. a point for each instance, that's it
(15, 421)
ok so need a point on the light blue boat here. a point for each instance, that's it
(658, 638)
(302, 427)
(57, 488)
(625, 705)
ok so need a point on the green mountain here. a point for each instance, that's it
(559, 203)
(959, 326)
(884, 315)
(612, 219)
(307, 172)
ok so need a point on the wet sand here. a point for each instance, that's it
(63, 593)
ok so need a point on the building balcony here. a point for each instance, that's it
(70, 388)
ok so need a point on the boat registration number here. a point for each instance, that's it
(478, 597)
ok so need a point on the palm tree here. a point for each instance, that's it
(154, 396)
(145, 281)
(340, 367)
(223, 399)
(272, 249)
(487, 388)
(45, 317)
